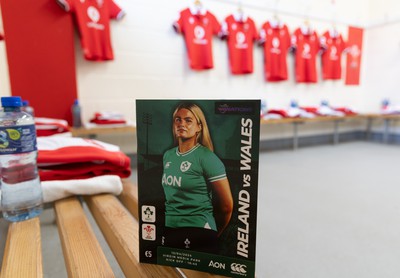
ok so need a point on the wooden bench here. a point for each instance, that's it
(117, 219)
(96, 131)
(297, 121)
(387, 120)
(369, 118)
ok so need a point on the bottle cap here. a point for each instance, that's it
(76, 102)
(11, 102)
(25, 103)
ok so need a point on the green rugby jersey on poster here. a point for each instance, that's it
(185, 181)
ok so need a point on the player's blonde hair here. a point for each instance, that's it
(203, 137)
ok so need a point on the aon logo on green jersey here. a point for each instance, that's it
(171, 180)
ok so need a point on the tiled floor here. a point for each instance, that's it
(330, 211)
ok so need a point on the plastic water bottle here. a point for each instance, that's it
(263, 108)
(294, 104)
(385, 104)
(21, 191)
(324, 103)
(76, 114)
(27, 108)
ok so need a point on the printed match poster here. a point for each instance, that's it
(197, 184)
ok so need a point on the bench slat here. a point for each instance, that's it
(83, 255)
(120, 230)
(23, 250)
(129, 197)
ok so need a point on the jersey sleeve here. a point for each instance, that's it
(323, 42)
(317, 44)
(66, 5)
(255, 33)
(164, 159)
(216, 27)
(115, 11)
(224, 33)
(343, 44)
(262, 35)
(287, 36)
(213, 167)
(293, 40)
(346, 46)
(178, 23)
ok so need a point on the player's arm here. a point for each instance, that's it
(223, 203)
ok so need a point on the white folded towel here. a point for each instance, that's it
(59, 189)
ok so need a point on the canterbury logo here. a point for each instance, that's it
(238, 268)
(185, 165)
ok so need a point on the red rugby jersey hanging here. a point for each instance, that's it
(275, 38)
(198, 26)
(240, 32)
(333, 46)
(306, 44)
(93, 19)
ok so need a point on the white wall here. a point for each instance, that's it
(382, 67)
(150, 59)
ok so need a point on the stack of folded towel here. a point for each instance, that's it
(69, 166)
(62, 158)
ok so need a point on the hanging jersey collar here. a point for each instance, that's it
(275, 23)
(306, 30)
(333, 33)
(197, 10)
(240, 16)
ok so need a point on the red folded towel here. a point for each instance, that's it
(108, 118)
(281, 112)
(310, 109)
(347, 111)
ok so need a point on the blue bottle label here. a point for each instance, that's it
(17, 139)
